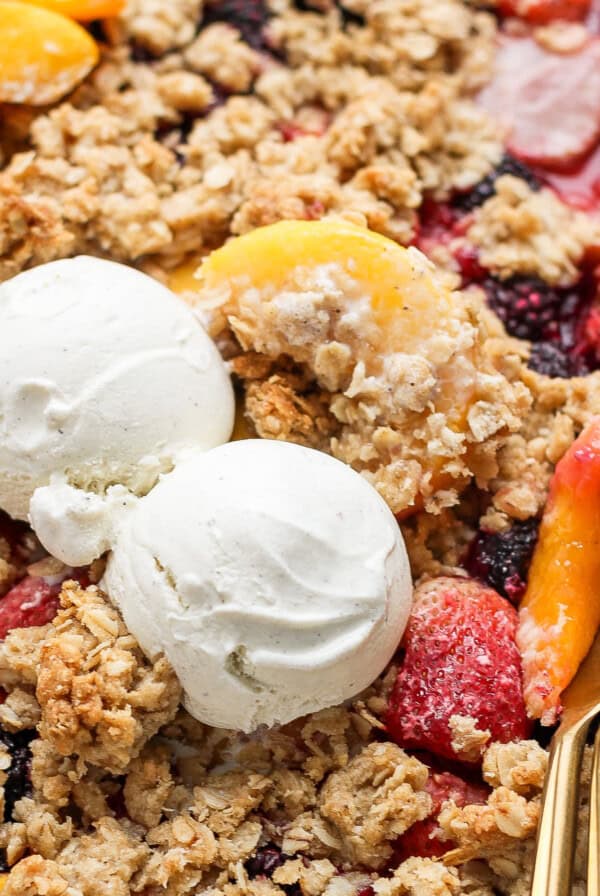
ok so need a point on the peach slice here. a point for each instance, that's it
(560, 611)
(44, 55)
(82, 10)
(391, 347)
(403, 291)
(411, 308)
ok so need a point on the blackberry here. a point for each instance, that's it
(484, 190)
(551, 360)
(248, 16)
(18, 783)
(526, 305)
(501, 559)
(266, 860)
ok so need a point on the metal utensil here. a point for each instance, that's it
(557, 834)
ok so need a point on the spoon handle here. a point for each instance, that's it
(553, 871)
(593, 863)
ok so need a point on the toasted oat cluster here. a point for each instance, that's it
(204, 120)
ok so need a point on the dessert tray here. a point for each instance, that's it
(299, 440)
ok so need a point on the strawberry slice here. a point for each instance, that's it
(32, 602)
(35, 599)
(422, 839)
(548, 103)
(541, 12)
(460, 659)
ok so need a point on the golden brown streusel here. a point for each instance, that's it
(374, 800)
(519, 231)
(99, 697)
(359, 404)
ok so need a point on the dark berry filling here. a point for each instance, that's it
(266, 860)
(527, 306)
(551, 360)
(248, 16)
(501, 559)
(484, 190)
(348, 17)
(563, 323)
(18, 783)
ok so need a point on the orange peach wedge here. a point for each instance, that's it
(44, 55)
(410, 307)
(300, 288)
(560, 612)
(82, 10)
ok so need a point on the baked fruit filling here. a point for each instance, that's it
(386, 215)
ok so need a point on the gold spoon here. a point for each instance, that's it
(557, 834)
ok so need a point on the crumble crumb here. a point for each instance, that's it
(419, 877)
(20, 655)
(467, 739)
(81, 867)
(20, 710)
(520, 767)
(520, 231)
(219, 53)
(99, 696)
(156, 26)
(375, 799)
(491, 830)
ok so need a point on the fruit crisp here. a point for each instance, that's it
(204, 121)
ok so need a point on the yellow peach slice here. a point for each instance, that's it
(44, 55)
(82, 10)
(411, 308)
(402, 290)
(560, 611)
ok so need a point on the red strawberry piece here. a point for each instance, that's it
(34, 600)
(541, 12)
(548, 103)
(579, 186)
(460, 659)
(588, 341)
(422, 838)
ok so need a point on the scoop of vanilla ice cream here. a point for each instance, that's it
(273, 577)
(106, 378)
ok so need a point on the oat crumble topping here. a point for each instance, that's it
(182, 137)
